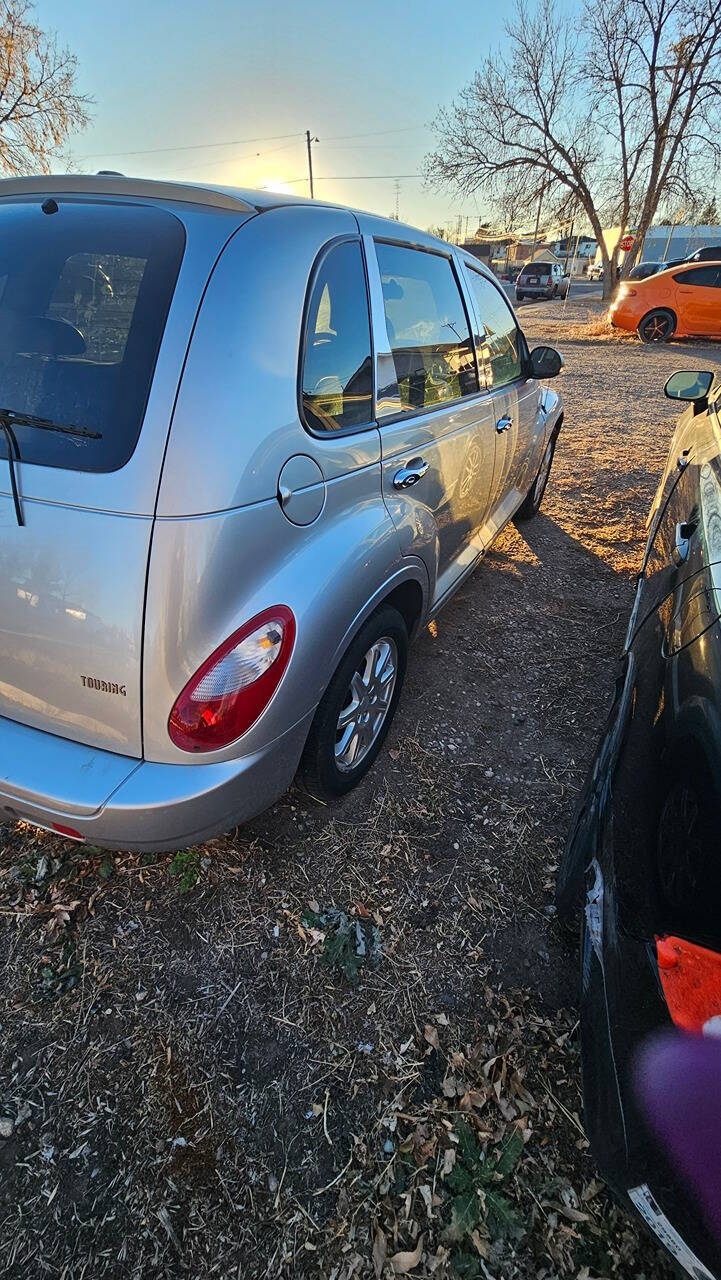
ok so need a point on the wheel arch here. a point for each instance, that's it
(667, 310)
(407, 590)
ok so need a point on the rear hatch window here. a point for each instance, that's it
(84, 295)
(537, 269)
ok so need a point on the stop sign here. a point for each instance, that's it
(627, 243)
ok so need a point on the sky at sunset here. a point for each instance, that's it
(223, 92)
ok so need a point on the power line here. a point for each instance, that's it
(236, 142)
(247, 155)
(351, 177)
(196, 146)
(374, 133)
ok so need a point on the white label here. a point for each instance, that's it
(644, 1201)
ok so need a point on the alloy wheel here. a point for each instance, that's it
(366, 703)
(657, 328)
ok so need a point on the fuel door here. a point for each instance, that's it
(301, 490)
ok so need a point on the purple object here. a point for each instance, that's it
(678, 1082)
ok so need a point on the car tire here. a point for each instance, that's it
(520, 297)
(658, 325)
(324, 771)
(569, 890)
(533, 499)
(555, 291)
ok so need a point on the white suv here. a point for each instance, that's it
(542, 280)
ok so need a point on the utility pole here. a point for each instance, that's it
(309, 140)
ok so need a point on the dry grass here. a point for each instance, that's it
(189, 1088)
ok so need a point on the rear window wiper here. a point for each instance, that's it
(10, 418)
(15, 418)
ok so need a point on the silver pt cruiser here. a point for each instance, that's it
(249, 445)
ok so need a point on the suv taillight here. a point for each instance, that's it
(235, 684)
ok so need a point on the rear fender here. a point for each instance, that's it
(209, 575)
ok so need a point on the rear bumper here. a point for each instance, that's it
(117, 802)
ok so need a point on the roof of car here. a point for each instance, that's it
(685, 265)
(118, 184)
(238, 199)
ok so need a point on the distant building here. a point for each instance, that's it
(488, 248)
(575, 247)
(677, 241)
(663, 243)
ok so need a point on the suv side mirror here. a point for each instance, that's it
(690, 384)
(545, 362)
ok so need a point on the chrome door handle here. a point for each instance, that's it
(682, 544)
(410, 474)
(504, 424)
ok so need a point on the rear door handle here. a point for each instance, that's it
(682, 546)
(504, 424)
(410, 474)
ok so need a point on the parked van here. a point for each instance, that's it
(249, 445)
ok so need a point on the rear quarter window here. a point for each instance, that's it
(84, 296)
(708, 276)
(336, 374)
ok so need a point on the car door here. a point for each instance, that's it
(435, 422)
(515, 399)
(699, 296)
(685, 519)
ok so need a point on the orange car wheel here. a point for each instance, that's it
(657, 326)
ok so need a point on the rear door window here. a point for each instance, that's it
(427, 326)
(337, 374)
(500, 338)
(708, 276)
(85, 299)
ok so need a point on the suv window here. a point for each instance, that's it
(538, 269)
(709, 276)
(337, 378)
(82, 312)
(427, 326)
(500, 337)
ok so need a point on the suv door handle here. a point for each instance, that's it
(504, 424)
(684, 533)
(410, 474)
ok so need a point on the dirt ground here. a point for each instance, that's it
(200, 1075)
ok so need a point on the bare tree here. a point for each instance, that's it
(39, 102)
(608, 115)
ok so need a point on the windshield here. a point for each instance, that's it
(84, 296)
(537, 269)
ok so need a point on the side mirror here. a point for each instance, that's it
(545, 362)
(689, 384)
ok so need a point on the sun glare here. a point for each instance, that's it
(276, 184)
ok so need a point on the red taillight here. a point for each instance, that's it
(235, 684)
(70, 832)
(691, 980)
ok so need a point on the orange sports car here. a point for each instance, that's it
(683, 301)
